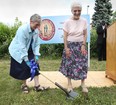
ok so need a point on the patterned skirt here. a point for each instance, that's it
(74, 67)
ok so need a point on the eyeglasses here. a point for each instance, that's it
(76, 10)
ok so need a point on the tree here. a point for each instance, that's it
(102, 12)
(113, 19)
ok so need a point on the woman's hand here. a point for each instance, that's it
(83, 50)
(28, 64)
(36, 58)
(68, 52)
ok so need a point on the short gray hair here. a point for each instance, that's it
(36, 18)
(76, 4)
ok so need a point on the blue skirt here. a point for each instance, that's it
(22, 71)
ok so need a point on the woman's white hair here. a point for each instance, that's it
(76, 4)
(35, 17)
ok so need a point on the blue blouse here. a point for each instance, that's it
(19, 46)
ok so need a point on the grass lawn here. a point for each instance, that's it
(10, 93)
(53, 65)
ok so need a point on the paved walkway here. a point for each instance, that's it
(95, 79)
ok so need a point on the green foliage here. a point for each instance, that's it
(4, 38)
(113, 19)
(51, 50)
(6, 35)
(102, 12)
(4, 48)
(93, 44)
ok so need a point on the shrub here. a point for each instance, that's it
(93, 44)
(51, 50)
(6, 35)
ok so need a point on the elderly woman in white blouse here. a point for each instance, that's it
(74, 58)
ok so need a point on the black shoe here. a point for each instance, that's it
(99, 59)
(104, 59)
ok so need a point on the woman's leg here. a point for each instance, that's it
(37, 86)
(24, 87)
(24, 82)
(36, 80)
(84, 88)
(69, 84)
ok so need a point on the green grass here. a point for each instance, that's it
(54, 64)
(10, 93)
(96, 65)
(49, 65)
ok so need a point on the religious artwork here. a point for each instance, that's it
(47, 30)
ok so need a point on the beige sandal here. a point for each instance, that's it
(69, 89)
(84, 89)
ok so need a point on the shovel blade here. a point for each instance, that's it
(72, 95)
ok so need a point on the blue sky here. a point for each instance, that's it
(23, 9)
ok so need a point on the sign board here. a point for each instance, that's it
(51, 29)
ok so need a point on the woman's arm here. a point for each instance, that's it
(85, 36)
(83, 50)
(67, 50)
(65, 40)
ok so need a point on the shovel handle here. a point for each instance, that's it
(58, 85)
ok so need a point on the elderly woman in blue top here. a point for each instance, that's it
(24, 47)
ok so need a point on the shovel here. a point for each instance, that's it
(70, 95)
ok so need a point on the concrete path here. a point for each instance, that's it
(94, 79)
